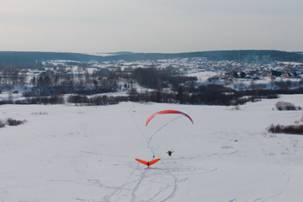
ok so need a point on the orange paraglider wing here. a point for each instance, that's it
(168, 111)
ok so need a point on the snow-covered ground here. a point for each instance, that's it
(202, 76)
(67, 153)
(4, 96)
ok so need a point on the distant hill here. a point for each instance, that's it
(30, 59)
(259, 56)
(33, 59)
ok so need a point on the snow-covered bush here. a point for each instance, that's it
(282, 106)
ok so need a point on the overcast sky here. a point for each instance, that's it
(150, 25)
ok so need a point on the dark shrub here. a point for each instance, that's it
(78, 99)
(291, 129)
(2, 124)
(42, 100)
(14, 122)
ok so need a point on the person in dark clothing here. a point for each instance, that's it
(170, 153)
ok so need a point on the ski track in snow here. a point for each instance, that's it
(145, 175)
(274, 195)
(162, 194)
(138, 183)
(164, 181)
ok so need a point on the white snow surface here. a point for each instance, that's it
(203, 75)
(13, 96)
(69, 153)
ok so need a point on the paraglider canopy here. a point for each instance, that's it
(168, 111)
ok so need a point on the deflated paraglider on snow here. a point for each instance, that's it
(168, 111)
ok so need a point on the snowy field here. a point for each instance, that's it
(69, 153)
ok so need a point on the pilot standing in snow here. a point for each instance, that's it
(170, 152)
